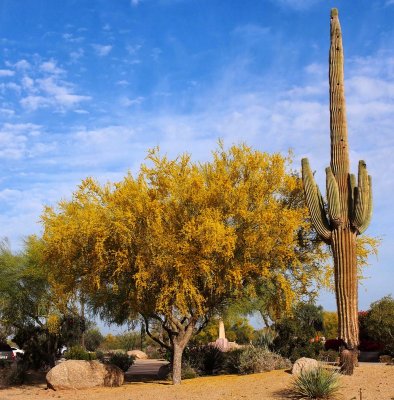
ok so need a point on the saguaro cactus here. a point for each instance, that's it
(348, 209)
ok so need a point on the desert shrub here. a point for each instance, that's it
(264, 338)
(309, 350)
(328, 355)
(232, 361)
(256, 359)
(13, 373)
(93, 339)
(121, 360)
(206, 360)
(318, 383)
(79, 353)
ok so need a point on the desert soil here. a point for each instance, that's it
(376, 382)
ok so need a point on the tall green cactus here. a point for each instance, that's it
(349, 207)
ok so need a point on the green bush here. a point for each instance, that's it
(256, 359)
(318, 383)
(264, 338)
(121, 360)
(79, 353)
(206, 360)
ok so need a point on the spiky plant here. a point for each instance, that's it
(349, 207)
(316, 383)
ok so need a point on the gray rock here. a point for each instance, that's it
(79, 374)
(304, 364)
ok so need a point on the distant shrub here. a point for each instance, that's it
(264, 338)
(121, 360)
(250, 360)
(79, 353)
(13, 373)
(328, 355)
(309, 350)
(206, 360)
(318, 383)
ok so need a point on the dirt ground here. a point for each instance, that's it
(376, 382)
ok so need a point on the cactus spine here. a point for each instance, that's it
(349, 207)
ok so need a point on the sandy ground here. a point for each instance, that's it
(376, 382)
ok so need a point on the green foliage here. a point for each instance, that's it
(380, 322)
(121, 360)
(238, 329)
(93, 339)
(330, 324)
(256, 359)
(125, 341)
(264, 338)
(318, 383)
(297, 332)
(79, 353)
(206, 360)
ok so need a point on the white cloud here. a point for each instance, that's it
(127, 102)
(22, 65)
(51, 68)
(135, 3)
(7, 111)
(33, 103)
(102, 50)
(60, 93)
(6, 72)
(28, 84)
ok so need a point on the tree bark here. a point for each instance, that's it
(177, 364)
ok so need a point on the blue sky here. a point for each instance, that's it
(87, 86)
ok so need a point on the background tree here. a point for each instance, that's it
(296, 333)
(28, 309)
(379, 322)
(330, 324)
(180, 241)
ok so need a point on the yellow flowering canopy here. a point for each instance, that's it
(183, 238)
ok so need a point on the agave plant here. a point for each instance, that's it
(316, 383)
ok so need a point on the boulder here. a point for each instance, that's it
(137, 354)
(79, 374)
(304, 364)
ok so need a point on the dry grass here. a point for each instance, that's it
(374, 380)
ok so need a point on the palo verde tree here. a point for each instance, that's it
(349, 207)
(178, 242)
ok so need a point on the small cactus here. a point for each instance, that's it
(349, 207)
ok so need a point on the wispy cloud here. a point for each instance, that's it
(6, 72)
(102, 50)
(51, 67)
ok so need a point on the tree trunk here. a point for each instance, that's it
(177, 363)
(346, 289)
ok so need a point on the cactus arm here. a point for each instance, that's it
(315, 202)
(363, 199)
(352, 193)
(368, 214)
(334, 204)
